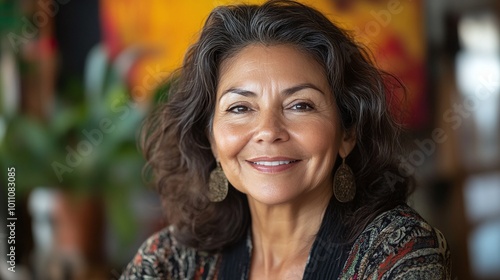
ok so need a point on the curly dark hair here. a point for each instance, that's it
(175, 139)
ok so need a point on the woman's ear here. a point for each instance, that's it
(214, 150)
(213, 146)
(347, 143)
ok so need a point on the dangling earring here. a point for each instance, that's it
(218, 185)
(344, 185)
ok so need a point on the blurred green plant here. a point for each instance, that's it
(88, 147)
(9, 16)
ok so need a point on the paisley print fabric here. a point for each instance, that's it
(398, 244)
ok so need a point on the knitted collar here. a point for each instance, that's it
(326, 259)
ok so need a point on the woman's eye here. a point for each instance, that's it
(239, 109)
(302, 106)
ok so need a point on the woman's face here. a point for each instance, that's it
(276, 129)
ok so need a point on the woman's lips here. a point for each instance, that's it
(272, 164)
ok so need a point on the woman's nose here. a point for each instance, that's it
(271, 127)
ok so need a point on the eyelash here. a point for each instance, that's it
(309, 106)
(238, 108)
(234, 110)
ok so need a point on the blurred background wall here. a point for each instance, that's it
(78, 76)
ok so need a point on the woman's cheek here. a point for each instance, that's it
(231, 138)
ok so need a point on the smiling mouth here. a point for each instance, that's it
(273, 163)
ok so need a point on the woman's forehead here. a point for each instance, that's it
(276, 63)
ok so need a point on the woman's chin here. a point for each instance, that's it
(274, 197)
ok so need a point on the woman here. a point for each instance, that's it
(275, 157)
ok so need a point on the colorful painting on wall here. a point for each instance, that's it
(162, 30)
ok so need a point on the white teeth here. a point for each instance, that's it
(273, 163)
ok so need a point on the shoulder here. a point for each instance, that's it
(399, 244)
(161, 256)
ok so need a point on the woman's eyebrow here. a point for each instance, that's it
(294, 89)
(288, 91)
(239, 91)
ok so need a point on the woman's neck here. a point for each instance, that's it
(282, 235)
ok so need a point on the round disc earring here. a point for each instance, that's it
(218, 185)
(344, 185)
